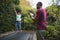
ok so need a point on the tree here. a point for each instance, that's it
(7, 15)
(53, 27)
(26, 20)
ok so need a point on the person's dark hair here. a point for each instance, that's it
(18, 10)
(39, 3)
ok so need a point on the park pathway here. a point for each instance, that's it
(20, 36)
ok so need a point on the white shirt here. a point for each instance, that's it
(18, 17)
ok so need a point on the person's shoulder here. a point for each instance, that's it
(42, 9)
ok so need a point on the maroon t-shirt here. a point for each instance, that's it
(40, 18)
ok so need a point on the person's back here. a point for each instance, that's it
(41, 21)
(43, 13)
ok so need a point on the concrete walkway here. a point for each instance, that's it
(19, 36)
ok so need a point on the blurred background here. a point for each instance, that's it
(8, 16)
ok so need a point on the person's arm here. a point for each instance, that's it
(15, 11)
(31, 15)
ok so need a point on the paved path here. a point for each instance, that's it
(20, 36)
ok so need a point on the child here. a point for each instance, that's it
(18, 19)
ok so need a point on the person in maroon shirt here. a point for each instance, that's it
(40, 17)
(40, 21)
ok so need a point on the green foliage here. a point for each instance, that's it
(27, 22)
(52, 33)
(53, 13)
(7, 15)
(53, 23)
